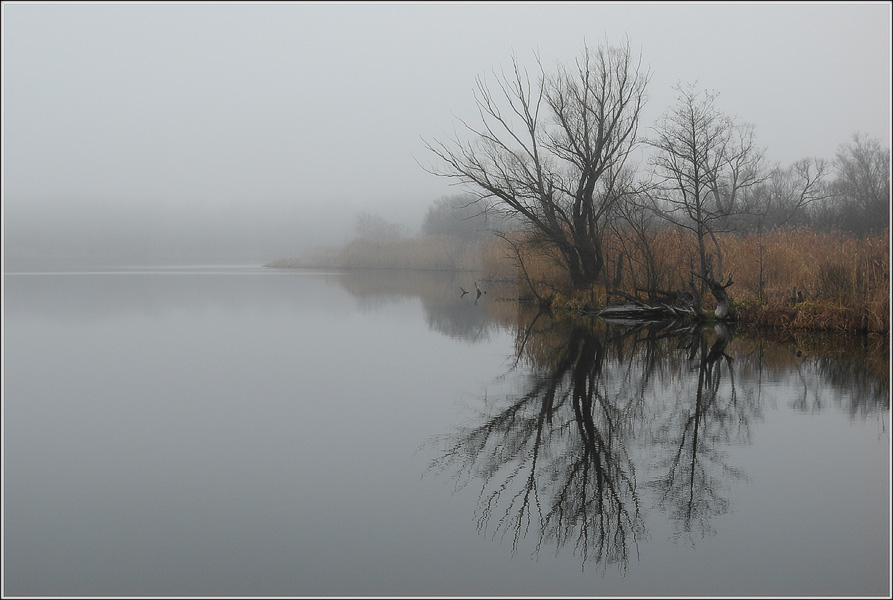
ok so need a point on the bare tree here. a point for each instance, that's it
(704, 165)
(548, 149)
(788, 193)
(862, 186)
(372, 226)
(460, 216)
(786, 198)
(636, 229)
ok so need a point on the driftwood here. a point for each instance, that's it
(660, 306)
(640, 312)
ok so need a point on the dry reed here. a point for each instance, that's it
(797, 279)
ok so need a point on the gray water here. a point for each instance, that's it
(234, 430)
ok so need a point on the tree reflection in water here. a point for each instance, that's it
(555, 458)
(605, 418)
(693, 430)
(598, 422)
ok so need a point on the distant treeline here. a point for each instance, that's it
(452, 237)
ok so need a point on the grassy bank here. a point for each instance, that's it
(797, 279)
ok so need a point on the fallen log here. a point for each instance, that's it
(641, 311)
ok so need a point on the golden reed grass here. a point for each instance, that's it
(795, 279)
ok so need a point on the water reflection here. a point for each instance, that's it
(598, 424)
(555, 456)
(600, 440)
(449, 311)
(691, 431)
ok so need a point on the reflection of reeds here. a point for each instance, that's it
(844, 361)
(796, 279)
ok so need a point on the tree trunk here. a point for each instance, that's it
(718, 289)
(584, 264)
(591, 261)
(723, 301)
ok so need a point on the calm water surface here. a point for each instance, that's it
(237, 430)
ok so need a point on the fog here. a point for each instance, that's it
(249, 132)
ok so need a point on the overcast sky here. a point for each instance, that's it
(259, 130)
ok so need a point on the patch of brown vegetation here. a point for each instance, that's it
(796, 279)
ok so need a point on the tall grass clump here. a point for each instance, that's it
(803, 279)
(795, 279)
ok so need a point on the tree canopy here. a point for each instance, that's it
(551, 148)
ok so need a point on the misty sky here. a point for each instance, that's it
(255, 131)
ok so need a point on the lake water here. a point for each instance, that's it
(234, 430)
